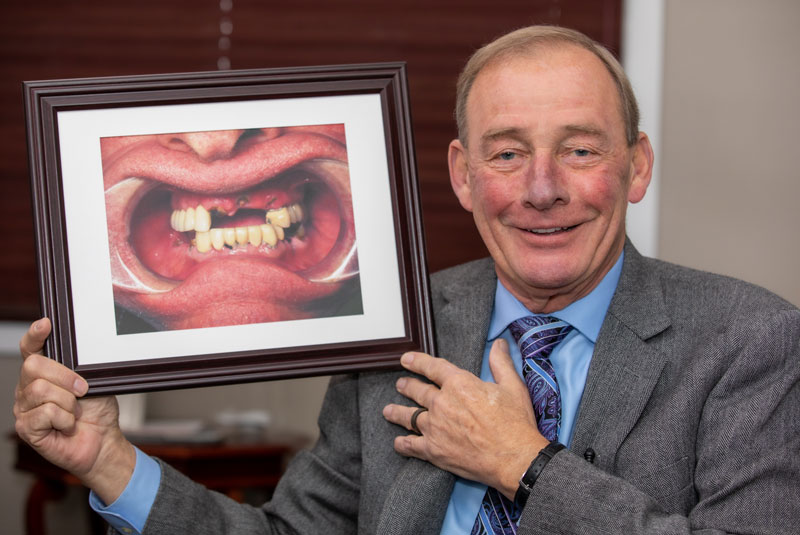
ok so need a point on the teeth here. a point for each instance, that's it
(268, 235)
(241, 235)
(202, 219)
(188, 222)
(254, 235)
(203, 241)
(229, 234)
(280, 218)
(198, 219)
(547, 230)
(218, 238)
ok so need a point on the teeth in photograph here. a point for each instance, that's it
(254, 235)
(301, 232)
(203, 241)
(297, 213)
(178, 217)
(241, 235)
(278, 231)
(217, 238)
(279, 218)
(202, 219)
(188, 222)
(268, 235)
(229, 234)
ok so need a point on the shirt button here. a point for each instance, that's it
(589, 455)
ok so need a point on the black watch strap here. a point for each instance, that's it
(532, 473)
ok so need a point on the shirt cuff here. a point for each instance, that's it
(129, 512)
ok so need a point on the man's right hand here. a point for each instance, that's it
(81, 436)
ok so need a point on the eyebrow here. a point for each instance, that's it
(585, 129)
(501, 133)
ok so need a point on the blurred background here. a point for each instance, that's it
(715, 79)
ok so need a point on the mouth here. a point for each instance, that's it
(550, 231)
(252, 248)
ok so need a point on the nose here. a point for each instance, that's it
(544, 183)
(208, 146)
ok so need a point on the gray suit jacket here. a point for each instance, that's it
(692, 407)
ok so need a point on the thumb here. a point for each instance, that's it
(501, 364)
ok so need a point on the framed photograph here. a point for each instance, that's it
(212, 228)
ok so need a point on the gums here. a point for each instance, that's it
(170, 280)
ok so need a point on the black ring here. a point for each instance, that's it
(414, 419)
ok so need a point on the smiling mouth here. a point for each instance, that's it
(186, 257)
(550, 231)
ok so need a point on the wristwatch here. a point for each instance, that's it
(532, 473)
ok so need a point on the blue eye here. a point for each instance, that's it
(581, 152)
(507, 155)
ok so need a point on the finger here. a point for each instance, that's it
(33, 340)
(411, 446)
(42, 420)
(435, 369)
(38, 367)
(420, 392)
(40, 392)
(401, 415)
(501, 364)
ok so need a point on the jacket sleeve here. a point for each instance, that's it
(746, 474)
(320, 487)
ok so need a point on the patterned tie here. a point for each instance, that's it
(536, 336)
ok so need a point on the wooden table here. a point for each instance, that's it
(229, 467)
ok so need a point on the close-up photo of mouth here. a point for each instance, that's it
(264, 234)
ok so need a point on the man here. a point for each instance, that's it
(676, 392)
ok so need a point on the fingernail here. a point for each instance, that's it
(37, 325)
(401, 383)
(80, 387)
(387, 411)
(407, 358)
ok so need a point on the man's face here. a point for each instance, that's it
(548, 174)
(230, 227)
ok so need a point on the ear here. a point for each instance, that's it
(641, 168)
(459, 173)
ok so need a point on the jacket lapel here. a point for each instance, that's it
(624, 368)
(418, 498)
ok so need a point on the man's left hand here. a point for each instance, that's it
(480, 431)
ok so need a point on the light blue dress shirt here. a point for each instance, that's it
(570, 360)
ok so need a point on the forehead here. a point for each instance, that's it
(554, 85)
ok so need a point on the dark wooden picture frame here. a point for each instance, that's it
(369, 100)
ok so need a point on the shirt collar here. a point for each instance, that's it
(586, 314)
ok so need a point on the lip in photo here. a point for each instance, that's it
(230, 227)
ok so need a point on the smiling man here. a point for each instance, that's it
(578, 388)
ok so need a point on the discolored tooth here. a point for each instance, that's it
(268, 235)
(230, 236)
(298, 212)
(278, 231)
(202, 219)
(241, 235)
(188, 223)
(254, 235)
(203, 241)
(292, 214)
(301, 232)
(280, 217)
(217, 238)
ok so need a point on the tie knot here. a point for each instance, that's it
(536, 336)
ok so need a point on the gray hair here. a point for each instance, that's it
(526, 40)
